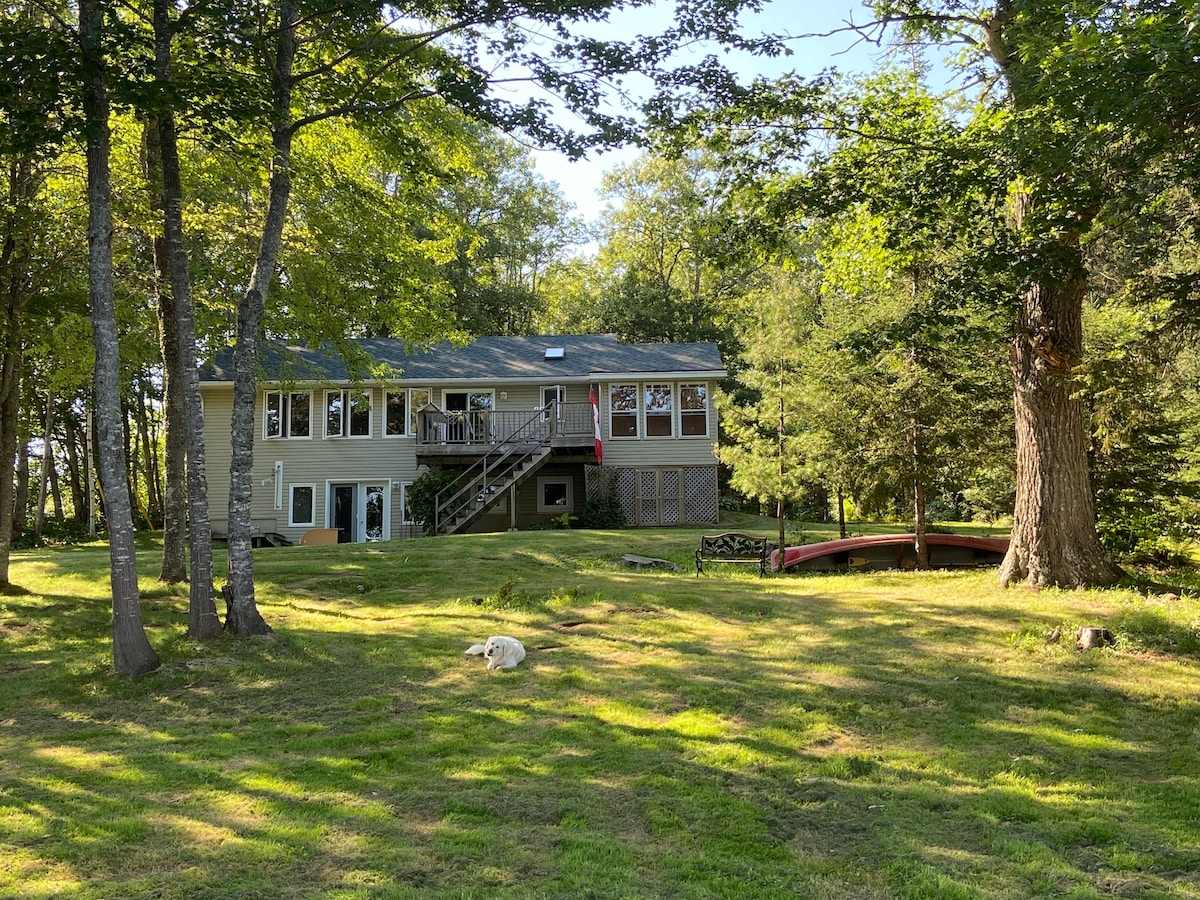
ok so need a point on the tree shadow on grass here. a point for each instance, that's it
(691, 742)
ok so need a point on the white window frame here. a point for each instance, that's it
(703, 386)
(669, 417)
(312, 489)
(404, 431)
(347, 397)
(414, 407)
(637, 425)
(545, 480)
(560, 397)
(286, 399)
(405, 512)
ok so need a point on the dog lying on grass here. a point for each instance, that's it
(500, 651)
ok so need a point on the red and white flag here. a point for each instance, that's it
(596, 422)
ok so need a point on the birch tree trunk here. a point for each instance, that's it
(242, 615)
(132, 653)
(203, 621)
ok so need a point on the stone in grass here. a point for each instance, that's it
(648, 562)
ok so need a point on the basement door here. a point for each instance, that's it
(360, 511)
(660, 496)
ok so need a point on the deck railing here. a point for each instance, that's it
(440, 427)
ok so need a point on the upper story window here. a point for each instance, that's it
(623, 410)
(347, 414)
(395, 413)
(418, 399)
(288, 414)
(659, 402)
(693, 410)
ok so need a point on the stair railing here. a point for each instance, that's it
(474, 481)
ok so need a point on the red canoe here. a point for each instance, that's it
(893, 551)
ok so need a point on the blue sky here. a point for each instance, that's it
(580, 181)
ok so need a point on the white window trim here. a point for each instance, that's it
(707, 410)
(567, 480)
(404, 486)
(285, 415)
(562, 397)
(637, 412)
(292, 523)
(403, 392)
(413, 409)
(671, 416)
(346, 407)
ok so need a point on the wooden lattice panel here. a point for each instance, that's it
(672, 500)
(700, 494)
(627, 492)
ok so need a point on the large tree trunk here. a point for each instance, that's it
(203, 621)
(132, 653)
(1054, 537)
(174, 558)
(242, 610)
(14, 279)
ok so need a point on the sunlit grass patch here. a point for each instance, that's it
(887, 735)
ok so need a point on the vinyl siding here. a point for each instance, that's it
(389, 461)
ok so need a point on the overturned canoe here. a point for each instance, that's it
(892, 551)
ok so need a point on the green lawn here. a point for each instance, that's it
(889, 735)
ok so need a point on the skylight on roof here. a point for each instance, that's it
(556, 352)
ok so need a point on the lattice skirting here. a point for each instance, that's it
(674, 495)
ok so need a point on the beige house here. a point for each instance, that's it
(530, 426)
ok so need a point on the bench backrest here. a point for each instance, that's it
(734, 544)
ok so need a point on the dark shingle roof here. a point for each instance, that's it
(485, 359)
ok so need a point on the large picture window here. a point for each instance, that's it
(347, 414)
(302, 509)
(623, 410)
(659, 411)
(693, 410)
(287, 415)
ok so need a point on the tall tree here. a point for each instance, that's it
(179, 324)
(352, 61)
(132, 653)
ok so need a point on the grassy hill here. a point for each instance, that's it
(870, 735)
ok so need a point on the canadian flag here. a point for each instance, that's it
(596, 423)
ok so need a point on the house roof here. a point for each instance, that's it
(583, 357)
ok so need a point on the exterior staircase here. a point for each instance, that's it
(486, 482)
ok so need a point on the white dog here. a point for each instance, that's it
(500, 651)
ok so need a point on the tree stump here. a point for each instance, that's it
(1091, 637)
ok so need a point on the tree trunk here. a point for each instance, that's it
(20, 507)
(132, 653)
(203, 621)
(1054, 537)
(920, 524)
(841, 504)
(243, 616)
(39, 518)
(14, 278)
(77, 479)
(174, 558)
